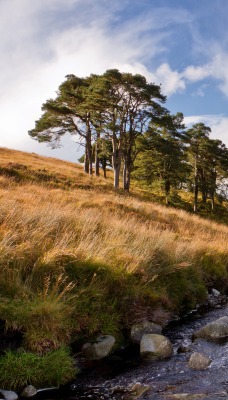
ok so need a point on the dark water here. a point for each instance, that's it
(111, 379)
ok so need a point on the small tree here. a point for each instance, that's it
(197, 138)
(209, 161)
(163, 154)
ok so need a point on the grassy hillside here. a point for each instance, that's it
(78, 259)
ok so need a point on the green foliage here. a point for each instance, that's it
(185, 287)
(45, 319)
(18, 370)
(214, 268)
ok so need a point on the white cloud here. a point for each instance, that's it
(41, 42)
(217, 123)
(171, 81)
(217, 69)
(198, 73)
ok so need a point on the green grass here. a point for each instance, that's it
(18, 370)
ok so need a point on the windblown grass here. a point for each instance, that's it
(81, 259)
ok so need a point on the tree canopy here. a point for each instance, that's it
(120, 119)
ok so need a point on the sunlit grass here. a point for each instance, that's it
(81, 259)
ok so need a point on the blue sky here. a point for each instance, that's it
(182, 44)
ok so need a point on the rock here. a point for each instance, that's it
(187, 396)
(199, 361)
(156, 347)
(183, 349)
(8, 394)
(100, 349)
(29, 391)
(138, 389)
(214, 330)
(215, 293)
(140, 329)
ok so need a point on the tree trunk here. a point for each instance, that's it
(196, 188)
(213, 190)
(116, 162)
(204, 196)
(89, 147)
(86, 161)
(167, 191)
(212, 202)
(97, 159)
(104, 164)
(126, 174)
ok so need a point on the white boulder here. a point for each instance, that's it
(214, 330)
(155, 347)
(101, 348)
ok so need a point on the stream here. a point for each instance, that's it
(169, 379)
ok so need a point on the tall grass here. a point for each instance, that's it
(81, 259)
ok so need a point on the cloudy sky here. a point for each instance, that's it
(182, 44)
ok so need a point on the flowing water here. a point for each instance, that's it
(112, 378)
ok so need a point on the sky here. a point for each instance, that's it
(180, 44)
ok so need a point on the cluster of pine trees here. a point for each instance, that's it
(121, 121)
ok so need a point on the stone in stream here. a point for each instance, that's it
(155, 347)
(138, 389)
(142, 328)
(215, 293)
(199, 361)
(8, 394)
(214, 330)
(29, 391)
(187, 396)
(101, 348)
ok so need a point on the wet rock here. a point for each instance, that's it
(183, 349)
(142, 328)
(215, 293)
(214, 330)
(29, 391)
(138, 389)
(8, 394)
(187, 396)
(100, 349)
(156, 347)
(199, 361)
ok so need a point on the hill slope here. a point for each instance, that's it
(79, 259)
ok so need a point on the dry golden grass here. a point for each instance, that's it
(45, 232)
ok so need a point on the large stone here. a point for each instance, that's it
(156, 347)
(100, 349)
(214, 330)
(142, 328)
(29, 391)
(215, 293)
(199, 361)
(8, 394)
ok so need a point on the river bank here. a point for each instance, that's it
(166, 379)
(126, 376)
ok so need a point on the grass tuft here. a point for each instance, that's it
(18, 370)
